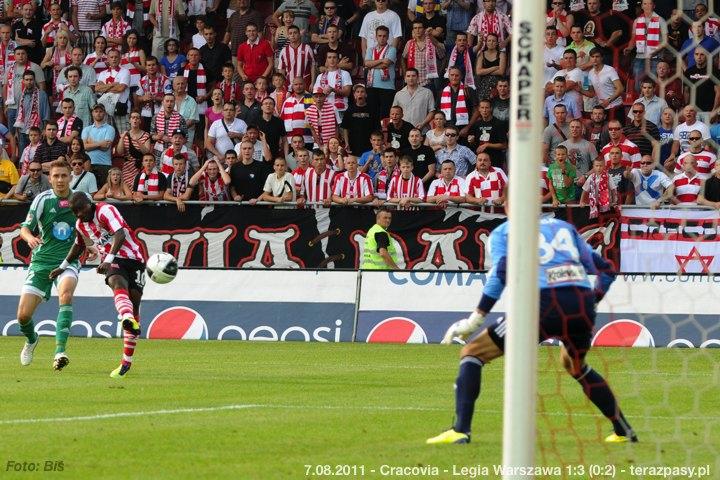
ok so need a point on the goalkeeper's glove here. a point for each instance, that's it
(462, 329)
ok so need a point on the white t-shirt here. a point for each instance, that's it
(121, 76)
(333, 80)
(648, 187)
(88, 184)
(552, 55)
(602, 82)
(575, 75)
(257, 151)
(198, 40)
(682, 132)
(374, 19)
(223, 142)
(279, 186)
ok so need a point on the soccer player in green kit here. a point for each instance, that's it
(50, 214)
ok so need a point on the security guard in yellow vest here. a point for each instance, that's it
(380, 253)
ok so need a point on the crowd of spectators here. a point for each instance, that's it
(356, 101)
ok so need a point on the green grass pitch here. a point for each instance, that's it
(243, 410)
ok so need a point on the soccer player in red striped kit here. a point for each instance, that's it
(123, 264)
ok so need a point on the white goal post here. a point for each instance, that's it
(521, 341)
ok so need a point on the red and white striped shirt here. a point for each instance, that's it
(114, 29)
(325, 121)
(293, 115)
(213, 191)
(630, 153)
(101, 64)
(455, 188)
(705, 163)
(382, 179)
(298, 176)
(106, 221)
(358, 187)
(406, 187)
(687, 189)
(317, 187)
(129, 60)
(489, 186)
(544, 182)
(296, 62)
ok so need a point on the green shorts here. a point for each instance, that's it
(37, 281)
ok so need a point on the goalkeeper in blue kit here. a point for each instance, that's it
(567, 313)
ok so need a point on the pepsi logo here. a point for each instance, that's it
(397, 330)
(178, 323)
(623, 333)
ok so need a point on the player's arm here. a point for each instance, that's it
(75, 251)
(30, 224)
(595, 264)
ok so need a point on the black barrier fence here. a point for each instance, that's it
(260, 236)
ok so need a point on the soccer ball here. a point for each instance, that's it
(161, 267)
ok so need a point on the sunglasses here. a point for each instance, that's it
(613, 128)
(451, 134)
(694, 138)
(638, 111)
(34, 170)
(76, 164)
(646, 163)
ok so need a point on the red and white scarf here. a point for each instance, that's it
(430, 58)
(647, 34)
(148, 184)
(469, 78)
(201, 83)
(214, 190)
(26, 119)
(130, 11)
(27, 157)
(63, 59)
(599, 193)
(231, 91)
(115, 29)
(340, 102)
(131, 59)
(385, 74)
(7, 56)
(171, 16)
(461, 111)
(10, 87)
(65, 126)
(179, 183)
(165, 126)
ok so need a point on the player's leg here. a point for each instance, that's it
(117, 280)
(126, 282)
(37, 287)
(66, 283)
(29, 301)
(482, 349)
(598, 391)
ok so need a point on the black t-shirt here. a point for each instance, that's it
(31, 31)
(423, 157)
(704, 81)
(249, 180)
(436, 21)
(344, 50)
(642, 139)
(213, 59)
(711, 189)
(274, 130)
(617, 177)
(399, 135)
(360, 124)
(77, 126)
(492, 131)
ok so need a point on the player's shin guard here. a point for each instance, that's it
(467, 389)
(598, 391)
(123, 305)
(28, 329)
(129, 342)
(62, 328)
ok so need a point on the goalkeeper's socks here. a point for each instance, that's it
(123, 305)
(28, 329)
(599, 393)
(62, 327)
(467, 389)
(129, 342)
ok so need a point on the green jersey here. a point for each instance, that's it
(55, 221)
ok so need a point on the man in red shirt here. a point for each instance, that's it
(255, 56)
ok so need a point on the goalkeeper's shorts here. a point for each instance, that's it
(566, 314)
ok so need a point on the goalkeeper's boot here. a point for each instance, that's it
(26, 354)
(448, 437)
(129, 324)
(120, 371)
(61, 361)
(615, 438)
